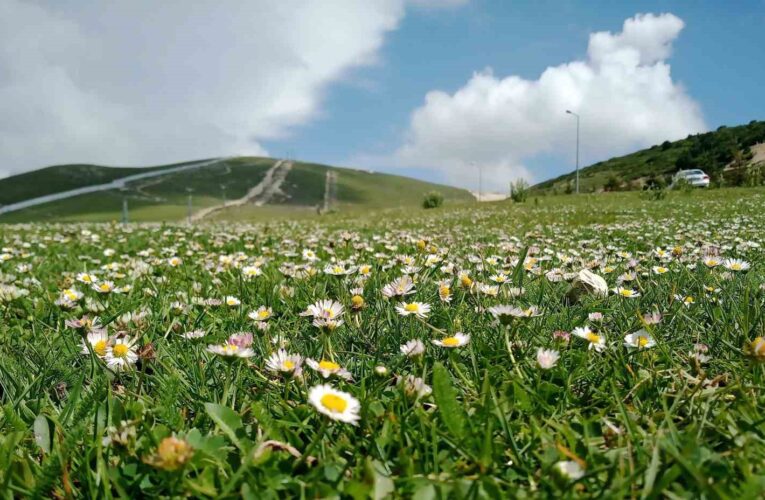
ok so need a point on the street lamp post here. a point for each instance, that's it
(577, 148)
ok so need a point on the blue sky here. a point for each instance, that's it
(717, 58)
(430, 88)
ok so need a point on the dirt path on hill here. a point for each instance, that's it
(259, 195)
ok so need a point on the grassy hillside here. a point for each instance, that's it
(710, 151)
(59, 178)
(164, 198)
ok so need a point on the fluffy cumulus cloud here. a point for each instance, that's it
(623, 91)
(145, 82)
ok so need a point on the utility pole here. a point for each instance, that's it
(189, 209)
(124, 209)
(577, 148)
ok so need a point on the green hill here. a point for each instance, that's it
(710, 151)
(165, 197)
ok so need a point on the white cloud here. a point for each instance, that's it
(623, 91)
(438, 4)
(145, 82)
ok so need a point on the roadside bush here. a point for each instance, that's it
(519, 191)
(682, 185)
(433, 199)
(612, 184)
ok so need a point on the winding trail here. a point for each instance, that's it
(115, 184)
(259, 195)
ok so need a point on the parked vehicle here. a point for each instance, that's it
(694, 177)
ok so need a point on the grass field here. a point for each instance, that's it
(461, 353)
(164, 198)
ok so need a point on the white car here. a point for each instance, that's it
(694, 177)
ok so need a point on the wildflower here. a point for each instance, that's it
(399, 287)
(262, 314)
(412, 348)
(445, 291)
(660, 270)
(465, 280)
(640, 340)
(335, 404)
(88, 279)
(232, 301)
(756, 349)
(419, 309)
(503, 314)
(499, 278)
(652, 318)
(490, 290)
(241, 339)
(561, 336)
(337, 270)
(357, 302)
(251, 271)
(595, 316)
(324, 309)
(711, 262)
(457, 340)
(381, 370)
(328, 368)
(98, 340)
(547, 358)
(626, 292)
(415, 386)
(596, 341)
(172, 454)
(121, 355)
(699, 353)
(687, 301)
(194, 334)
(174, 261)
(283, 362)
(569, 469)
(736, 265)
(231, 351)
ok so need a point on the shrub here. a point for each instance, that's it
(682, 185)
(433, 199)
(519, 191)
(612, 184)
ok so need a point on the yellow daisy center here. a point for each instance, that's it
(288, 365)
(263, 314)
(334, 403)
(451, 341)
(329, 365)
(120, 350)
(337, 269)
(626, 293)
(736, 266)
(105, 287)
(357, 300)
(758, 346)
(411, 307)
(593, 337)
(100, 347)
(642, 341)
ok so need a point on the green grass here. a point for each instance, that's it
(182, 421)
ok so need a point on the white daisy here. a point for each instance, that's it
(337, 405)
(457, 340)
